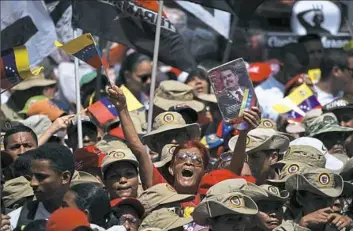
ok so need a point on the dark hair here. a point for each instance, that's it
(333, 59)
(129, 64)
(197, 72)
(95, 200)
(308, 38)
(194, 144)
(22, 165)
(60, 157)
(350, 53)
(17, 129)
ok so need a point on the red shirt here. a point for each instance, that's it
(158, 179)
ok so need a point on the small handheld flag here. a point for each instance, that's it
(14, 66)
(103, 110)
(298, 103)
(86, 49)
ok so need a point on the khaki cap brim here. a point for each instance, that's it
(192, 129)
(113, 160)
(298, 182)
(211, 207)
(165, 104)
(178, 197)
(334, 128)
(163, 162)
(33, 82)
(279, 141)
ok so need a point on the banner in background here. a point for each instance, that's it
(219, 20)
(134, 25)
(40, 44)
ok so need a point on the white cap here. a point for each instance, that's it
(332, 163)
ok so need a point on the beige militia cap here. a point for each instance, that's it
(161, 194)
(171, 93)
(36, 81)
(84, 177)
(326, 123)
(304, 154)
(167, 121)
(16, 189)
(318, 181)
(164, 219)
(290, 168)
(260, 139)
(116, 155)
(223, 204)
(166, 155)
(267, 123)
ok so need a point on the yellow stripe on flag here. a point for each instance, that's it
(131, 101)
(77, 44)
(300, 94)
(22, 63)
(291, 102)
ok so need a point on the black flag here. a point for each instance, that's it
(134, 25)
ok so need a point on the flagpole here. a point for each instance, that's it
(78, 99)
(155, 64)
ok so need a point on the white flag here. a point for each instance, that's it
(219, 21)
(41, 44)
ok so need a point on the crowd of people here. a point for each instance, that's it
(192, 171)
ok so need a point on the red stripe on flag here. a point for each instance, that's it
(101, 112)
(95, 62)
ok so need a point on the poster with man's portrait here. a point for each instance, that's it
(233, 89)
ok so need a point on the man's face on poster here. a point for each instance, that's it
(229, 79)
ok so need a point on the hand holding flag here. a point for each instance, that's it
(14, 66)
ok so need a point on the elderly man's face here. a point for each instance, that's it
(229, 79)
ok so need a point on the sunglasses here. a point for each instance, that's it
(133, 221)
(145, 77)
(195, 160)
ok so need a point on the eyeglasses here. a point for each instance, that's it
(132, 220)
(226, 156)
(183, 157)
(145, 77)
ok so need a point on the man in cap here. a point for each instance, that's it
(326, 128)
(315, 191)
(343, 110)
(120, 173)
(225, 209)
(262, 148)
(129, 211)
(89, 133)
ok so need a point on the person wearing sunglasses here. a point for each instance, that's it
(190, 159)
(135, 74)
(343, 110)
(327, 129)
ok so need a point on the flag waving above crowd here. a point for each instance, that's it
(133, 23)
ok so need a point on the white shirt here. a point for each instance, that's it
(324, 97)
(41, 214)
(268, 93)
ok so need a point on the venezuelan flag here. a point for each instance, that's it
(296, 104)
(85, 49)
(14, 66)
(103, 110)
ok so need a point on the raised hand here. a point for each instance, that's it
(117, 97)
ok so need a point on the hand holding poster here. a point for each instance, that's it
(233, 89)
